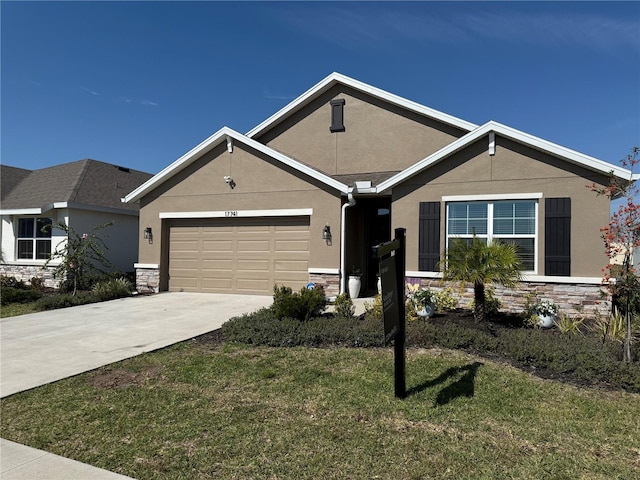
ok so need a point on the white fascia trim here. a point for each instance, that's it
(176, 166)
(74, 206)
(497, 196)
(285, 212)
(335, 78)
(573, 156)
(534, 142)
(95, 208)
(21, 211)
(223, 135)
(150, 266)
(327, 271)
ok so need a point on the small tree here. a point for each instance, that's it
(621, 236)
(482, 264)
(80, 255)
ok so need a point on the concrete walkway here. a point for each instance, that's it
(43, 347)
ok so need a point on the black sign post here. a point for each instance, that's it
(392, 277)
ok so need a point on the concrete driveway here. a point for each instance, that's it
(42, 347)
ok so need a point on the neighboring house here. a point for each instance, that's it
(80, 194)
(239, 213)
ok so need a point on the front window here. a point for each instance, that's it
(512, 221)
(34, 238)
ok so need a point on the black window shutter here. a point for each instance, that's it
(557, 242)
(429, 237)
(337, 115)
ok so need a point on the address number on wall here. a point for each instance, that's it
(231, 213)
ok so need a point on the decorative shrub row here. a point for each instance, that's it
(584, 357)
(18, 295)
(264, 328)
(15, 291)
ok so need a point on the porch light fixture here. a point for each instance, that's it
(148, 234)
(326, 234)
(229, 181)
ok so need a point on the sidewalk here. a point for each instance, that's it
(20, 462)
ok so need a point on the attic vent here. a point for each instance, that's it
(337, 115)
(123, 169)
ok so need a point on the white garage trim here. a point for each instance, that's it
(285, 212)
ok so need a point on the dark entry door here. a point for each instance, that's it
(368, 225)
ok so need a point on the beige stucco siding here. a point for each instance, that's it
(512, 170)
(378, 137)
(260, 184)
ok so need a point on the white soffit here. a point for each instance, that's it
(224, 135)
(336, 78)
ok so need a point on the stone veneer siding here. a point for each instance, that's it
(26, 272)
(330, 283)
(572, 298)
(148, 280)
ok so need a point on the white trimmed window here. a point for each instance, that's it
(513, 221)
(34, 239)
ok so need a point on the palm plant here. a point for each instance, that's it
(482, 264)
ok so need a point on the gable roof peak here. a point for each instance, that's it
(335, 78)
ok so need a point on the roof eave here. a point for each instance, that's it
(537, 143)
(215, 140)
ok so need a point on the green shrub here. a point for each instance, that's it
(609, 327)
(263, 328)
(567, 324)
(343, 306)
(374, 310)
(6, 281)
(37, 283)
(492, 305)
(446, 300)
(18, 295)
(63, 300)
(300, 305)
(112, 289)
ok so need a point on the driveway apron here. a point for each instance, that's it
(42, 347)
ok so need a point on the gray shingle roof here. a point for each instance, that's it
(86, 182)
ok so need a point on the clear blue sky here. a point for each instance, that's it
(140, 83)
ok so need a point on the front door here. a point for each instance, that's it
(369, 224)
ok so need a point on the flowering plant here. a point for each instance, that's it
(419, 296)
(545, 308)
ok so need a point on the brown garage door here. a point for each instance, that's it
(238, 255)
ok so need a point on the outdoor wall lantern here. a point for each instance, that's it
(148, 234)
(326, 234)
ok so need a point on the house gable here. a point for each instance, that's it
(378, 136)
(562, 157)
(228, 139)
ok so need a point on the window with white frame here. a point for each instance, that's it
(512, 221)
(34, 238)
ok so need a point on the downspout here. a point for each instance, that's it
(343, 244)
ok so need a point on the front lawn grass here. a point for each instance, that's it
(15, 309)
(229, 411)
